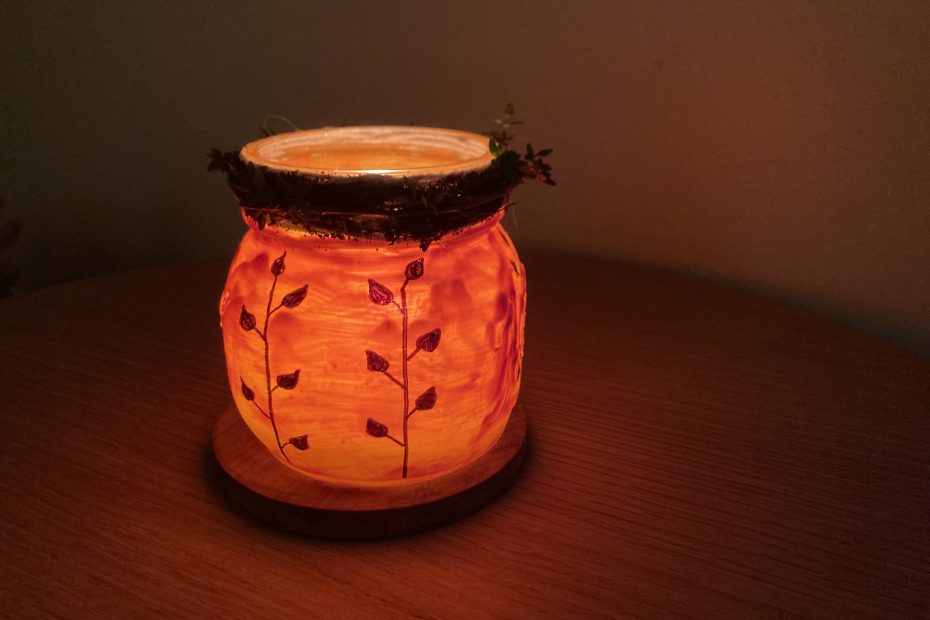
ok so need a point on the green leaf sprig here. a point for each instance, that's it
(530, 165)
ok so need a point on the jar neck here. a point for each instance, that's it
(297, 239)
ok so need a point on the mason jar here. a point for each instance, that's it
(373, 313)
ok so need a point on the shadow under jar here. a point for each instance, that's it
(373, 314)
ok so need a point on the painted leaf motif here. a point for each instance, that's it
(414, 270)
(295, 298)
(246, 320)
(375, 428)
(288, 381)
(426, 400)
(376, 363)
(299, 442)
(429, 341)
(247, 391)
(277, 267)
(379, 294)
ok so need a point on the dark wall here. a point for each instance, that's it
(781, 145)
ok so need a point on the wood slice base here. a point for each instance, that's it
(274, 493)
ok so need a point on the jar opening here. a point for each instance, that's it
(381, 150)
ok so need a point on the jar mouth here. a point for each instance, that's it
(379, 150)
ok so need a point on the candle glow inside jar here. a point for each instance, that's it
(360, 349)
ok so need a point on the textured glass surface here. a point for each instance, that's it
(327, 376)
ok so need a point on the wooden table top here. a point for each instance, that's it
(696, 451)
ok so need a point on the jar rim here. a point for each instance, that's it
(389, 151)
(278, 183)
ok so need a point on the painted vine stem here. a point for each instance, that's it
(287, 381)
(382, 296)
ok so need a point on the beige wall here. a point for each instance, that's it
(781, 145)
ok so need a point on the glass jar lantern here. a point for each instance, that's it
(373, 313)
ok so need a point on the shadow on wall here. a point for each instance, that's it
(782, 146)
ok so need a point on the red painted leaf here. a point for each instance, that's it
(277, 267)
(376, 363)
(299, 442)
(376, 429)
(288, 381)
(426, 400)
(379, 294)
(414, 270)
(246, 320)
(429, 341)
(247, 391)
(295, 298)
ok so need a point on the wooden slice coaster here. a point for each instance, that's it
(270, 491)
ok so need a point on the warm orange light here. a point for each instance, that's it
(367, 363)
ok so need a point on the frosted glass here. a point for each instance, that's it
(314, 336)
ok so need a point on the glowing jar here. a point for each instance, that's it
(373, 314)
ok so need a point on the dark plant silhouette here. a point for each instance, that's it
(531, 165)
(287, 381)
(382, 296)
(9, 231)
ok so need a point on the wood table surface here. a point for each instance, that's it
(695, 451)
